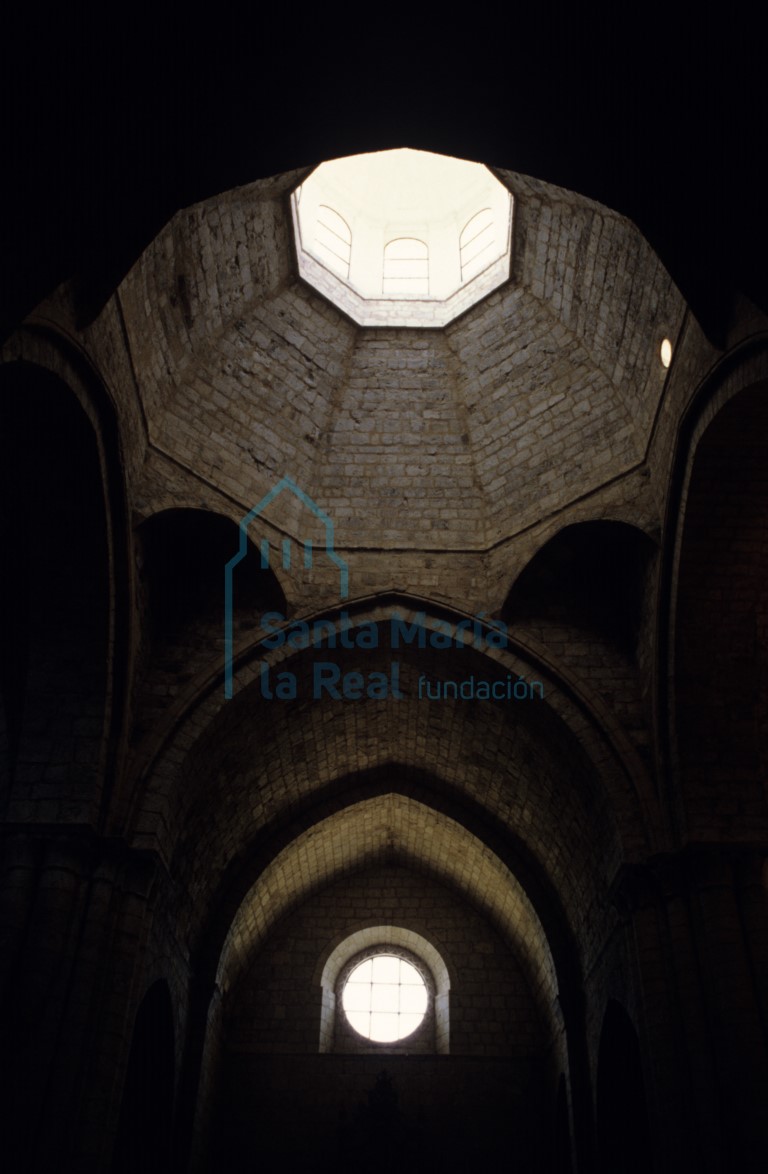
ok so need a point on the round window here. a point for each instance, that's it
(385, 998)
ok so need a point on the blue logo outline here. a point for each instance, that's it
(284, 483)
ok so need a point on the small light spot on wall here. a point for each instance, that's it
(666, 352)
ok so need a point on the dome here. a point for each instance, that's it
(403, 238)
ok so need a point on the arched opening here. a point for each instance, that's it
(721, 619)
(588, 594)
(591, 577)
(406, 268)
(182, 556)
(465, 1105)
(392, 939)
(476, 242)
(354, 847)
(622, 1113)
(333, 240)
(143, 1141)
(54, 593)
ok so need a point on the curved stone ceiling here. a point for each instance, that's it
(391, 826)
(449, 439)
(262, 763)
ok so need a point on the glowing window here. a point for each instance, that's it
(476, 243)
(403, 237)
(385, 998)
(406, 268)
(333, 240)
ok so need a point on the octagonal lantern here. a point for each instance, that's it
(404, 237)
